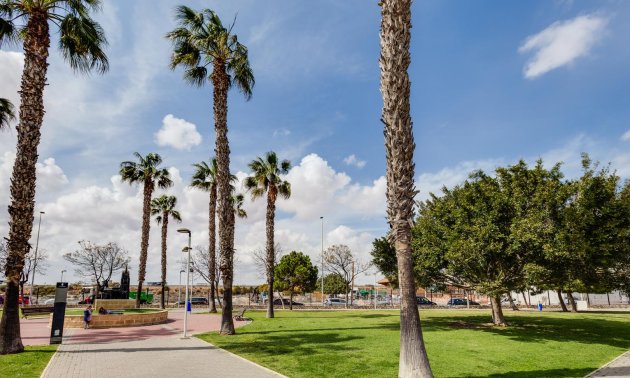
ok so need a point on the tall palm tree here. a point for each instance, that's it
(265, 178)
(163, 207)
(7, 114)
(205, 178)
(399, 147)
(199, 41)
(147, 173)
(81, 41)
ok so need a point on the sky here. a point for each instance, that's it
(492, 83)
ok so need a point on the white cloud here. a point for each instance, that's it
(561, 43)
(626, 136)
(281, 132)
(177, 133)
(352, 160)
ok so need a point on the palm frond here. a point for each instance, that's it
(7, 113)
(8, 32)
(81, 42)
(284, 189)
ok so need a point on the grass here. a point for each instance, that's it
(460, 343)
(30, 363)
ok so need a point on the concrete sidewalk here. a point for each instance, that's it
(619, 367)
(156, 357)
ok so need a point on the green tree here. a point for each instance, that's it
(266, 178)
(7, 113)
(384, 258)
(148, 173)
(162, 208)
(334, 284)
(295, 272)
(200, 40)
(395, 39)
(81, 41)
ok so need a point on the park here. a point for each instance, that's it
(343, 189)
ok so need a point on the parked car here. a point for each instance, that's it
(335, 302)
(49, 302)
(287, 302)
(195, 301)
(424, 301)
(461, 302)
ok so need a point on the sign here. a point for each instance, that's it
(59, 313)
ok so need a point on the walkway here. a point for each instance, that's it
(150, 351)
(619, 367)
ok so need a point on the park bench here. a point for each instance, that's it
(28, 310)
(239, 315)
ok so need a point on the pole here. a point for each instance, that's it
(187, 298)
(39, 226)
(62, 272)
(375, 273)
(322, 218)
(179, 289)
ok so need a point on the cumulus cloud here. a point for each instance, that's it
(626, 136)
(562, 43)
(281, 132)
(177, 133)
(352, 160)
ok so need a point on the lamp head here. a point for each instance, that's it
(183, 231)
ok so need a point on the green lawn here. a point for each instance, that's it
(30, 363)
(460, 343)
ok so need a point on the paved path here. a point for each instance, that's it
(157, 357)
(619, 367)
(149, 351)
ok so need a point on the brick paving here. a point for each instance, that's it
(145, 351)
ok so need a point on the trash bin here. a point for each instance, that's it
(189, 307)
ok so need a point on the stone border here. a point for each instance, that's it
(110, 321)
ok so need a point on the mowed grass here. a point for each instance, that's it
(28, 364)
(460, 343)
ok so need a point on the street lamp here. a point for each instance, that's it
(39, 226)
(179, 289)
(62, 272)
(322, 218)
(186, 249)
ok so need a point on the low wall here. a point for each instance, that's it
(114, 304)
(109, 321)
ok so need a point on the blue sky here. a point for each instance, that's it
(492, 82)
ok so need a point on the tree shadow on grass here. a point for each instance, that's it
(536, 329)
(537, 373)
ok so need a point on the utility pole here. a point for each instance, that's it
(322, 218)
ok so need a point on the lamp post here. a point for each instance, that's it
(179, 289)
(35, 257)
(186, 249)
(62, 272)
(322, 218)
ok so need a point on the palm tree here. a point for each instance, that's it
(7, 114)
(81, 41)
(205, 178)
(199, 41)
(163, 207)
(399, 146)
(237, 205)
(147, 173)
(266, 178)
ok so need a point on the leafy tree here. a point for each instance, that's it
(7, 113)
(266, 178)
(98, 262)
(81, 41)
(200, 40)
(295, 272)
(163, 207)
(148, 173)
(334, 284)
(384, 258)
(340, 260)
(395, 39)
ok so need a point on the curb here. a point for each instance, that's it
(592, 374)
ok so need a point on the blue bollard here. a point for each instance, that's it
(189, 307)
(540, 307)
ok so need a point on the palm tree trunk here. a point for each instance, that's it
(23, 179)
(212, 250)
(144, 244)
(220, 83)
(164, 230)
(395, 86)
(564, 307)
(270, 224)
